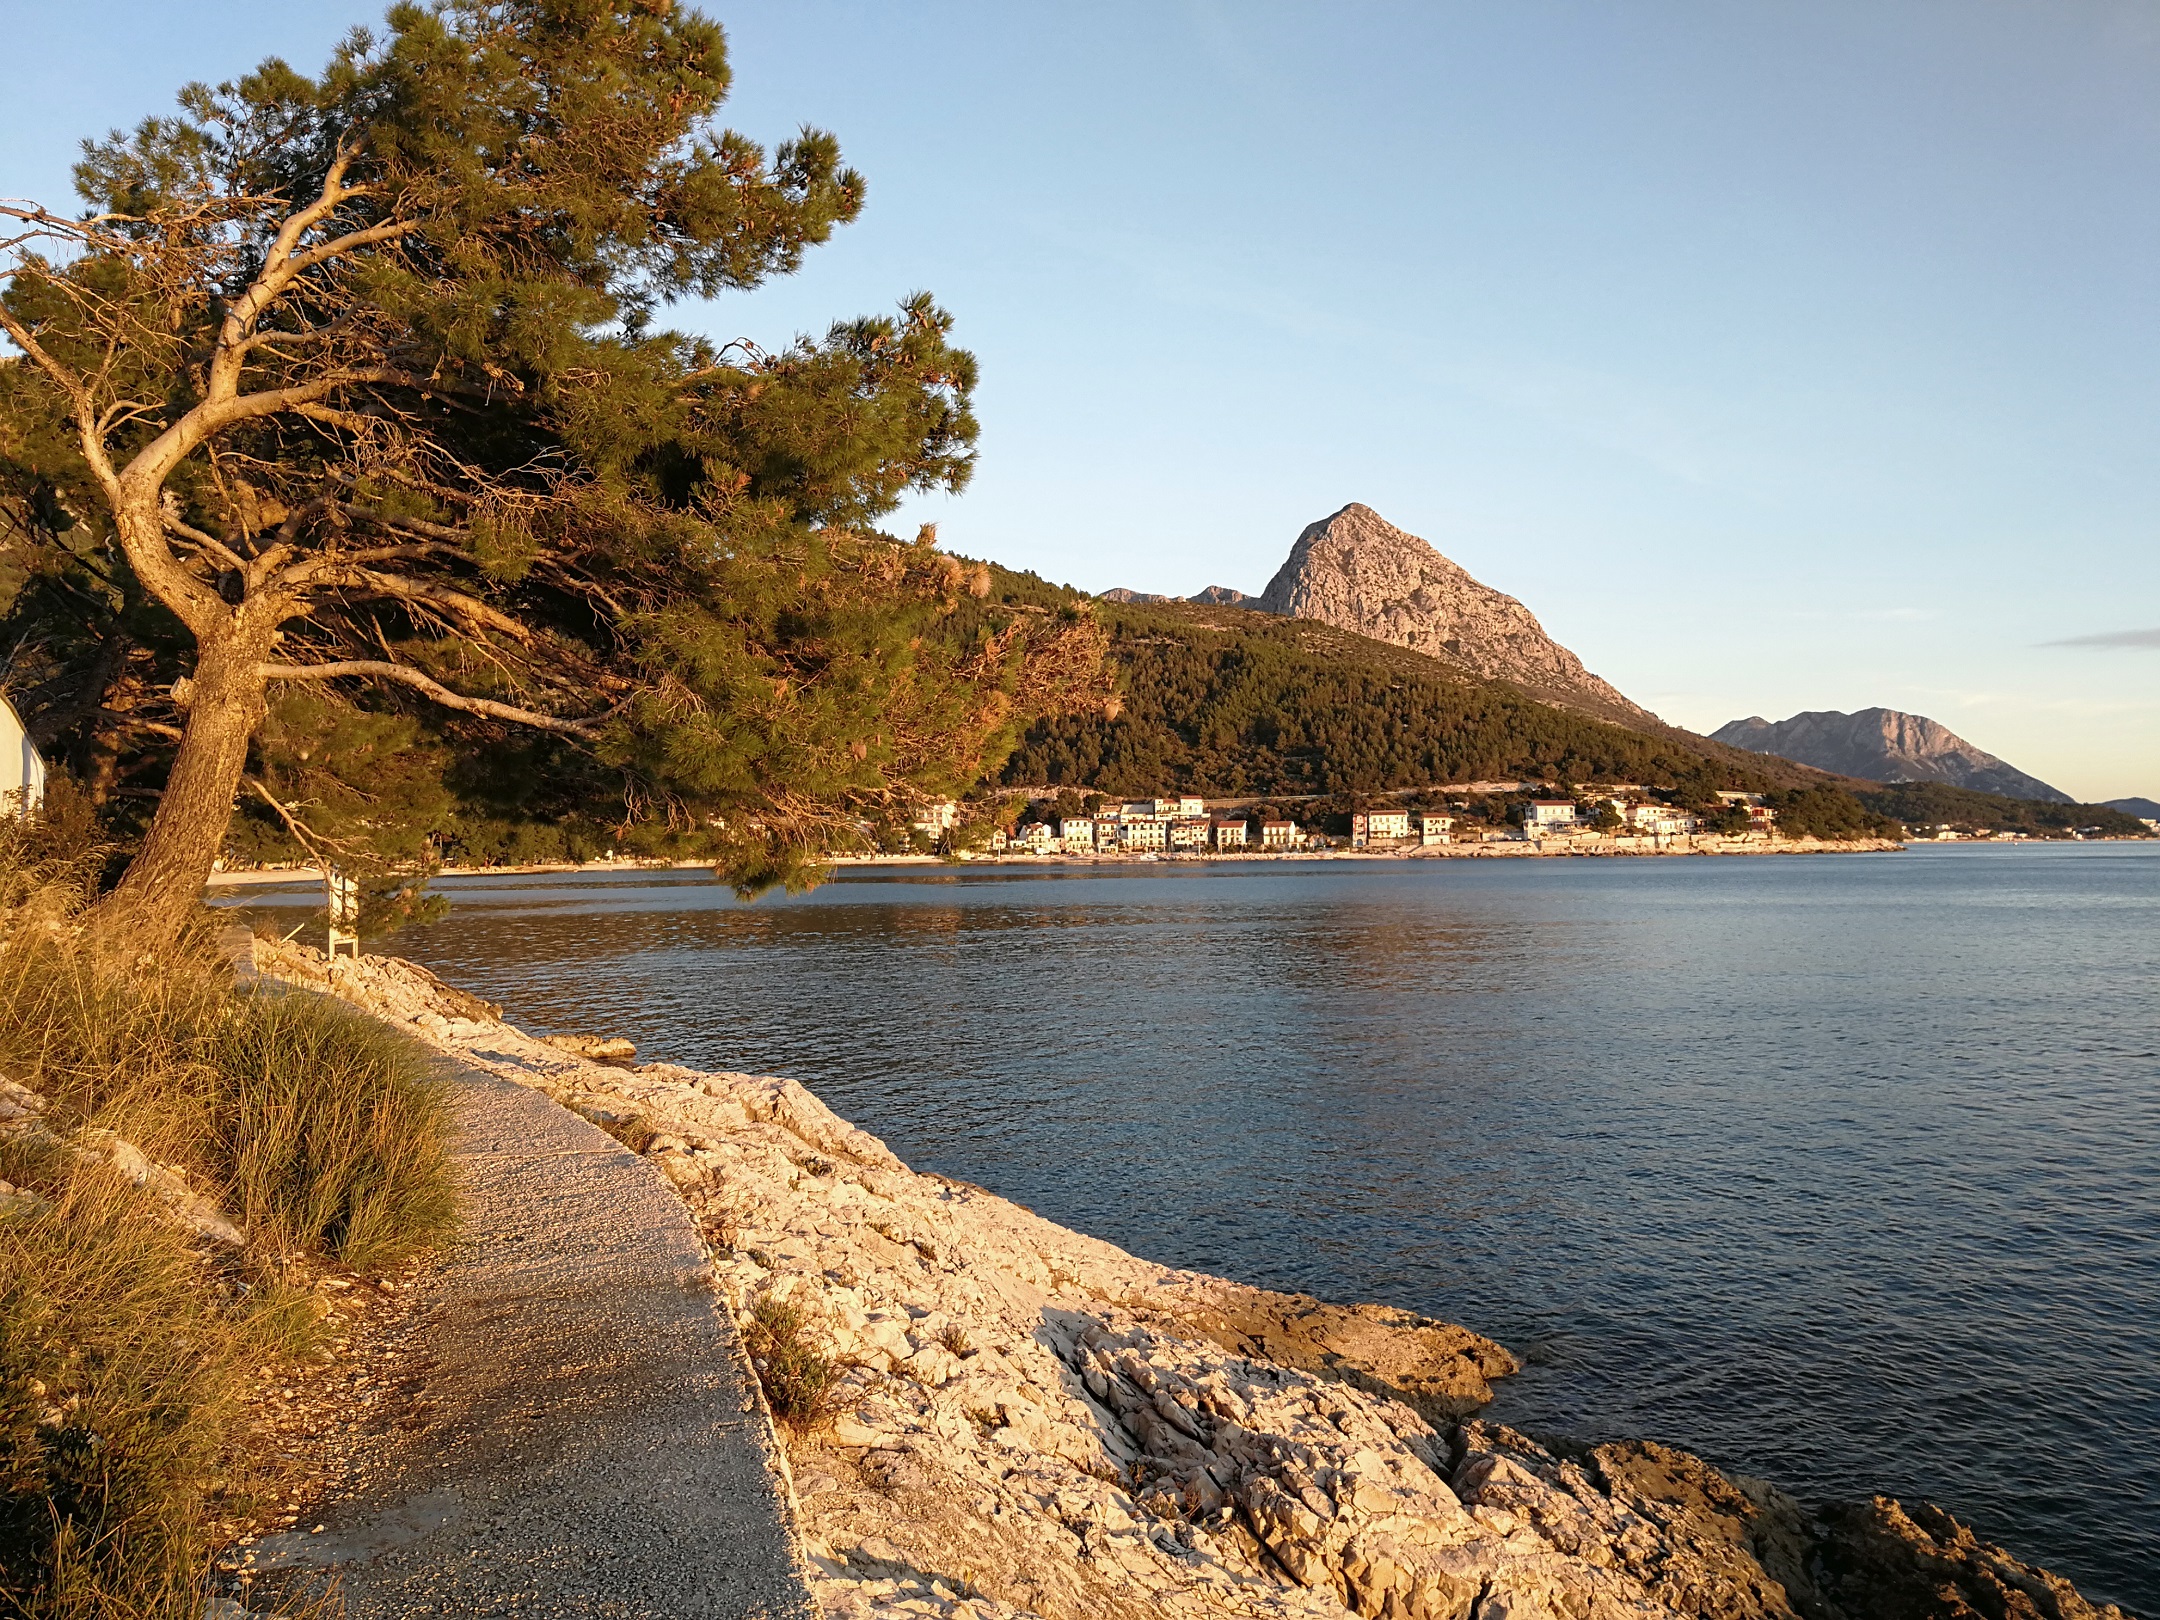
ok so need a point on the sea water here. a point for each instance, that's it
(1839, 1170)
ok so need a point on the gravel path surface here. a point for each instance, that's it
(584, 1440)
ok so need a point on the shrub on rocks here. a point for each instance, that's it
(801, 1382)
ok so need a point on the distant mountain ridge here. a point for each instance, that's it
(2143, 809)
(1213, 596)
(1885, 745)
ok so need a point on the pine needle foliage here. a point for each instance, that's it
(353, 386)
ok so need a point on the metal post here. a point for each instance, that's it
(344, 912)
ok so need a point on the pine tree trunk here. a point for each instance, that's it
(225, 705)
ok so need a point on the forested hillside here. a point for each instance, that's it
(1938, 804)
(1229, 703)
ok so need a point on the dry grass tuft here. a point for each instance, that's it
(801, 1382)
(128, 1344)
(637, 1133)
(332, 1126)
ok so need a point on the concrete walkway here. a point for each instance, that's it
(583, 1442)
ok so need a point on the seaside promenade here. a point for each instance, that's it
(577, 1433)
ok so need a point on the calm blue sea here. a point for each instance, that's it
(1844, 1171)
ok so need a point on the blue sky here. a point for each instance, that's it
(1781, 356)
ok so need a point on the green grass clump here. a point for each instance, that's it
(128, 1344)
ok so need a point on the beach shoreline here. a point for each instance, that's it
(1516, 849)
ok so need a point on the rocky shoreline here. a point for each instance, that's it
(1031, 1422)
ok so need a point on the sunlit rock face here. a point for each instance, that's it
(1357, 571)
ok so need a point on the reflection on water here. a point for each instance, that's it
(1841, 1171)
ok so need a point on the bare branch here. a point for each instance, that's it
(158, 458)
(68, 382)
(469, 608)
(128, 722)
(307, 838)
(433, 688)
(350, 421)
(205, 542)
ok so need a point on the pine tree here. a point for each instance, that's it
(353, 383)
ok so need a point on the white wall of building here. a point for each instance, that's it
(22, 770)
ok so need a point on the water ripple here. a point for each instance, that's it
(1839, 1171)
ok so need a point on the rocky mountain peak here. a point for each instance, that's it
(1885, 745)
(1357, 571)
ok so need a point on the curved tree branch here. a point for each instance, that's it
(433, 688)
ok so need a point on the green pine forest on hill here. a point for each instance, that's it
(1938, 804)
(1228, 702)
(1231, 703)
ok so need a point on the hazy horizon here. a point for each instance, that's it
(1779, 359)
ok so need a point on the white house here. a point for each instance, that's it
(1549, 815)
(1368, 827)
(1230, 834)
(936, 816)
(1659, 820)
(1143, 833)
(1189, 832)
(22, 768)
(1279, 835)
(1166, 809)
(1078, 832)
(1433, 829)
(1037, 838)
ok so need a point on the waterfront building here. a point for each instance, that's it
(1659, 820)
(1037, 838)
(1378, 826)
(1230, 834)
(1433, 829)
(1279, 835)
(1189, 832)
(1166, 809)
(1142, 833)
(1549, 815)
(936, 817)
(1078, 833)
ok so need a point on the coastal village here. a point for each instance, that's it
(1597, 817)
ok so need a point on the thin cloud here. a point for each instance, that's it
(2111, 638)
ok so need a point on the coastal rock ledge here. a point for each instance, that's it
(1031, 1422)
